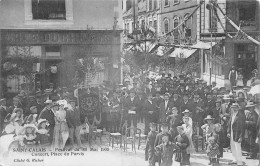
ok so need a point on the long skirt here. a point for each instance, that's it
(60, 135)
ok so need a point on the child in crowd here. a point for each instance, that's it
(218, 135)
(182, 142)
(213, 151)
(43, 133)
(208, 127)
(158, 139)
(166, 150)
(29, 135)
(149, 149)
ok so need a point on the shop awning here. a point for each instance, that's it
(182, 52)
(203, 45)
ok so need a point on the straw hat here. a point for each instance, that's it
(22, 131)
(209, 117)
(40, 121)
(234, 105)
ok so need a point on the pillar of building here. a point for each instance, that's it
(1, 78)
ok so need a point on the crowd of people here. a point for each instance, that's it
(173, 109)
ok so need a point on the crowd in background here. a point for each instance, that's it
(173, 109)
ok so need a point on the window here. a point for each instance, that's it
(48, 10)
(247, 12)
(212, 20)
(128, 4)
(155, 25)
(143, 24)
(166, 3)
(150, 5)
(155, 4)
(150, 23)
(166, 25)
(176, 31)
(187, 26)
(52, 51)
(176, 2)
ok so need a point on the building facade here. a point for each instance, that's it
(58, 35)
(235, 48)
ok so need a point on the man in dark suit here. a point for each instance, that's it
(185, 103)
(176, 100)
(174, 120)
(39, 105)
(150, 112)
(165, 107)
(236, 132)
(139, 105)
(130, 104)
(209, 105)
(251, 121)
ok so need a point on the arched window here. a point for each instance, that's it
(176, 31)
(166, 25)
(187, 25)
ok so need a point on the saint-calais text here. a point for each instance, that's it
(43, 152)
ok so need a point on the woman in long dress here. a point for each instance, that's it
(61, 130)
(187, 126)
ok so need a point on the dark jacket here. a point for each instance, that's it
(150, 144)
(150, 107)
(73, 118)
(164, 112)
(251, 122)
(48, 115)
(238, 126)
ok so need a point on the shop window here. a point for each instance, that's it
(48, 10)
(52, 51)
(13, 51)
(166, 25)
(247, 12)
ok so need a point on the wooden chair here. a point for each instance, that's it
(197, 138)
(130, 137)
(97, 133)
(113, 137)
(140, 136)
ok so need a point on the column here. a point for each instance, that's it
(1, 82)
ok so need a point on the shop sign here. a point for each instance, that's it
(59, 37)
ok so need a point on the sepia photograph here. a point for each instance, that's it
(129, 82)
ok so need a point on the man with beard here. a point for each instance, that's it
(251, 131)
(236, 132)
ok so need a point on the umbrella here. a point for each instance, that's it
(255, 89)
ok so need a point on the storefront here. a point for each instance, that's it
(32, 59)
